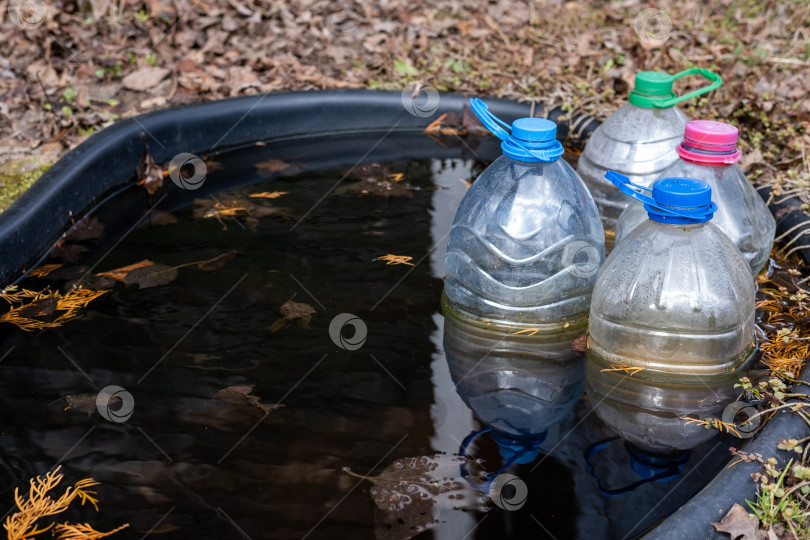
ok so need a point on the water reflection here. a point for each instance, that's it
(511, 384)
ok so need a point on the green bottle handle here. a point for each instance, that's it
(717, 81)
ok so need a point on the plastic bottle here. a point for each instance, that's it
(526, 242)
(709, 153)
(518, 385)
(638, 140)
(672, 320)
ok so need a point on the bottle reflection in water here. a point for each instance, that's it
(517, 385)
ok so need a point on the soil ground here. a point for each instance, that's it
(68, 69)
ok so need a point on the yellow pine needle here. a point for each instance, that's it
(713, 423)
(43, 270)
(630, 370)
(395, 259)
(82, 531)
(530, 331)
(22, 525)
(23, 299)
(268, 194)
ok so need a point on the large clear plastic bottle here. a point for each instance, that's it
(526, 242)
(709, 153)
(672, 321)
(638, 140)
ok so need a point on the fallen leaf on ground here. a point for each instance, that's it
(120, 274)
(395, 259)
(740, 525)
(241, 395)
(217, 262)
(145, 78)
(297, 312)
(86, 229)
(268, 194)
(151, 276)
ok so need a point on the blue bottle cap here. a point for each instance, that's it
(674, 200)
(532, 139)
(534, 130)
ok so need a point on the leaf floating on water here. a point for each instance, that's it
(217, 262)
(33, 310)
(297, 312)
(235, 206)
(395, 259)
(149, 175)
(159, 217)
(69, 253)
(85, 403)
(268, 194)
(739, 524)
(87, 228)
(151, 276)
(412, 491)
(241, 395)
(272, 165)
(43, 270)
(120, 274)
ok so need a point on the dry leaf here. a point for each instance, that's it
(120, 274)
(297, 312)
(241, 395)
(86, 229)
(740, 525)
(412, 490)
(159, 217)
(69, 253)
(149, 175)
(271, 165)
(217, 262)
(85, 403)
(145, 78)
(151, 276)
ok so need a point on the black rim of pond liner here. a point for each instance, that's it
(105, 164)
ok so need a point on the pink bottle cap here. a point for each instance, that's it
(707, 142)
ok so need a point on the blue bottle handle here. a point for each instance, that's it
(624, 184)
(496, 126)
(489, 120)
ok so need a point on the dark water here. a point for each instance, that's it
(188, 466)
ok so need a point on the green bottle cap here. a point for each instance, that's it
(653, 89)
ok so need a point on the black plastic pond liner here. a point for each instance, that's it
(105, 165)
